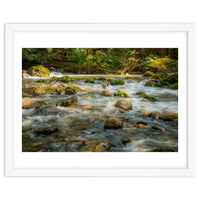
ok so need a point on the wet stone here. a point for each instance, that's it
(45, 130)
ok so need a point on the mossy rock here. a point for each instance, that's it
(116, 82)
(148, 74)
(113, 123)
(39, 91)
(60, 89)
(74, 87)
(68, 102)
(142, 94)
(169, 116)
(89, 81)
(149, 83)
(54, 78)
(101, 79)
(38, 70)
(43, 81)
(156, 76)
(170, 81)
(70, 91)
(121, 94)
(126, 105)
(65, 79)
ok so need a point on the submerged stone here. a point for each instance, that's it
(45, 130)
(126, 105)
(67, 102)
(113, 123)
(70, 91)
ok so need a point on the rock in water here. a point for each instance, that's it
(168, 116)
(126, 105)
(68, 102)
(38, 71)
(45, 130)
(70, 91)
(39, 91)
(105, 93)
(113, 123)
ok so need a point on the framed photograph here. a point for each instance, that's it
(99, 100)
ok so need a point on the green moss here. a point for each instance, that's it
(38, 70)
(65, 79)
(74, 87)
(156, 76)
(116, 82)
(150, 98)
(54, 77)
(121, 94)
(148, 74)
(40, 80)
(149, 83)
(142, 94)
(171, 79)
(101, 79)
(89, 81)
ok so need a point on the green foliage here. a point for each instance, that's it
(121, 94)
(65, 79)
(103, 60)
(116, 82)
(89, 81)
(148, 74)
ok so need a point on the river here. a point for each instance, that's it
(80, 128)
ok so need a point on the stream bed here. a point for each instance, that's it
(49, 127)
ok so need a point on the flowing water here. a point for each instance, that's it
(81, 126)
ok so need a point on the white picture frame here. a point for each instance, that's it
(10, 170)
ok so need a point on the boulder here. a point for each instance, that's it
(39, 91)
(70, 91)
(126, 105)
(113, 123)
(45, 130)
(68, 102)
(168, 116)
(96, 146)
(74, 87)
(38, 71)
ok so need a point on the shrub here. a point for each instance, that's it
(148, 74)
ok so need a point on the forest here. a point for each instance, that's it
(103, 60)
